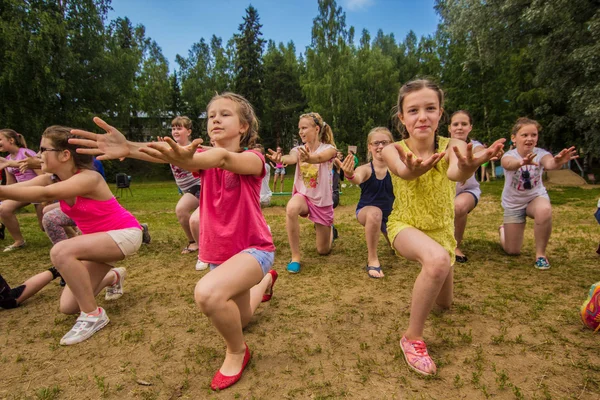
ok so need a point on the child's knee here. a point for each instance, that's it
(206, 297)
(437, 265)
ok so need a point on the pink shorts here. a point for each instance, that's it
(318, 215)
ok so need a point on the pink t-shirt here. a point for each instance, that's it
(315, 180)
(230, 216)
(92, 216)
(21, 155)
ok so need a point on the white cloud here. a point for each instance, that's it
(355, 5)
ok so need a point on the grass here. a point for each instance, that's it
(329, 332)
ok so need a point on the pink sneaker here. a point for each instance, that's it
(415, 354)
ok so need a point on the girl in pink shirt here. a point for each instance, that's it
(312, 195)
(234, 237)
(14, 143)
(110, 233)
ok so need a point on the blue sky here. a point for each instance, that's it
(177, 24)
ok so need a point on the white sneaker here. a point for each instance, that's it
(115, 291)
(85, 327)
(201, 265)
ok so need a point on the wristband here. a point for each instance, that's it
(349, 177)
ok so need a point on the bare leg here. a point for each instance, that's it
(435, 260)
(34, 285)
(511, 238)
(324, 238)
(187, 204)
(84, 278)
(224, 295)
(463, 204)
(9, 219)
(295, 207)
(195, 225)
(281, 179)
(370, 217)
(541, 211)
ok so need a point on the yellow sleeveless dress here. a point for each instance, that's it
(426, 203)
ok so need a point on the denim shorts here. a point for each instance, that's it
(265, 259)
(515, 216)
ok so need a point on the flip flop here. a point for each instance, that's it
(14, 247)
(187, 249)
(461, 259)
(376, 269)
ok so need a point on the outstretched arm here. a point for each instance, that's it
(245, 163)
(356, 176)
(286, 160)
(510, 163)
(319, 158)
(31, 191)
(109, 146)
(463, 163)
(405, 164)
(560, 159)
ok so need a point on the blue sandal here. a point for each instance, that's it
(376, 269)
(293, 267)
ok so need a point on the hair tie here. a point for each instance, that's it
(324, 124)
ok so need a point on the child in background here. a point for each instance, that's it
(265, 189)
(524, 193)
(425, 168)
(110, 233)
(376, 194)
(467, 192)
(234, 237)
(312, 195)
(14, 143)
(279, 172)
(189, 185)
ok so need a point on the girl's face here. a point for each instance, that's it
(340, 156)
(6, 144)
(181, 134)
(421, 113)
(50, 156)
(224, 126)
(526, 138)
(377, 143)
(308, 130)
(460, 127)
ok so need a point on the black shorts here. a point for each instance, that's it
(194, 190)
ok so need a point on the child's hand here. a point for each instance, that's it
(566, 155)
(303, 154)
(31, 162)
(108, 146)
(528, 160)
(472, 161)
(4, 163)
(168, 150)
(274, 156)
(347, 165)
(416, 164)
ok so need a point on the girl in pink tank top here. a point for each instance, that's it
(234, 237)
(110, 233)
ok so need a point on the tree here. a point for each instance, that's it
(248, 62)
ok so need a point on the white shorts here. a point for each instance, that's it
(129, 240)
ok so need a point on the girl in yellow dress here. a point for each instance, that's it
(424, 170)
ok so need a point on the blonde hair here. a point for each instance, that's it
(183, 121)
(245, 113)
(521, 122)
(14, 135)
(59, 136)
(325, 131)
(372, 132)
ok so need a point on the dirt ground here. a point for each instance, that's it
(329, 332)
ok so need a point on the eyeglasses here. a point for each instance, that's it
(380, 143)
(526, 180)
(44, 149)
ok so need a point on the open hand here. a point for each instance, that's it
(303, 154)
(417, 164)
(169, 151)
(274, 156)
(347, 165)
(528, 160)
(30, 162)
(566, 155)
(108, 146)
(472, 161)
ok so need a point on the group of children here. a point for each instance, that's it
(417, 192)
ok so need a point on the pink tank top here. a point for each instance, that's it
(92, 216)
